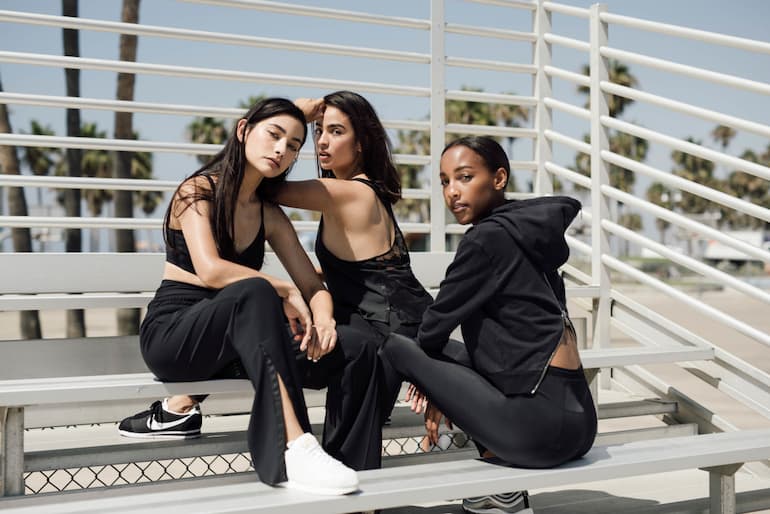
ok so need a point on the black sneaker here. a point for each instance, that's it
(159, 422)
(499, 504)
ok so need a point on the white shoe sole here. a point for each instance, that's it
(495, 510)
(326, 491)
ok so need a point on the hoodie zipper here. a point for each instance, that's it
(566, 323)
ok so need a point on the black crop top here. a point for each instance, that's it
(375, 287)
(253, 256)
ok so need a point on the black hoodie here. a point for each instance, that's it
(496, 289)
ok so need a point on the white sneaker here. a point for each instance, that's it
(309, 468)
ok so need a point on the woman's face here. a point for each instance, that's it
(272, 145)
(336, 145)
(470, 189)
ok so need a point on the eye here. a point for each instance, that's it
(466, 178)
(444, 181)
(274, 134)
(317, 133)
(337, 132)
(293, 148)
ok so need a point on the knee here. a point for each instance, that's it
(251, 289)
(397, 347)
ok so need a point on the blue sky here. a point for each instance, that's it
(745, 18)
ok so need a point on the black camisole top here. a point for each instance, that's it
(381, 288)
(253, 256)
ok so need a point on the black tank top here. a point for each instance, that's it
(376, 288)
(253, 256)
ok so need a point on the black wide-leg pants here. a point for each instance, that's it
(192, 333)
(555, 425)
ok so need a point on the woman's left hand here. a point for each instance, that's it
(433, 421)
(324, 339)
(312, 108)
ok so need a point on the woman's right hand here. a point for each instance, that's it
(418, 402)
(298, 314)
(433, 421)
(312, 108)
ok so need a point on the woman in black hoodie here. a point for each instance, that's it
(519, 391)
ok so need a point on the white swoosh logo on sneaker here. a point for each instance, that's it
(152, 424)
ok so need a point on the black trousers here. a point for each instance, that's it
(193, 333)
(553, 426)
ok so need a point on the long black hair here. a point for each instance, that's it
(228, 167)
(376, 158)
(488, 149)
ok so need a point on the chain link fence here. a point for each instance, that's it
(91, 477)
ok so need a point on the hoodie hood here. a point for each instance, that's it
(537, 226)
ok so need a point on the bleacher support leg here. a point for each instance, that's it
(722, 488)
(12, 458)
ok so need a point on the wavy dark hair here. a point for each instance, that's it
(488, 149)
(377, 161)
(228, 166)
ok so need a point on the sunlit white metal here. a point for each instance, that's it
(580, 246)
(567, 9)
(523, 165)
(685, 32)
(687, 147)
(112, 184)
(571, 142)
(672, 180)
(580, 112)
(482, 64)
(561, 171)
(489, 130)
(685, 222)
(568, 42)
(320, 12)
(210, 37)
(686, 261)
(468, 30)
(478, 96)
(521, 4)
(541, 89)
(600, 273)
(571, 76)
(438, 98)
(706, 114)
(689, 71)
(69, 222)
(205, 73)
(157, 108)
(701, 307)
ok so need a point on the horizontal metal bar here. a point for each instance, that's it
(29, 302)
(511, 35)
(493, 98)
(691, 225)
(685, 32)
(568, 42)
(568, 174)
(111, 184)
(210, 37)
(672, 180)
(462, 62)
(579, 245)
(686, 261)
(320, 12)
(689, 71)
(579, 112)
(572, 273)
(706, 114)
(157, 108)
(524, 165)
(489, 130)
(571, 76)
(566, 9)
(206, 73)
(518, 4)
(570, 142)
(687, 147)
(701, 307)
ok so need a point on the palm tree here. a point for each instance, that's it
(662, 196)
(750, 188)
(206, 130)
(40, 159)
(128, 319)
(723, 134)
(72, 236)
(619, 74)
(17, 206)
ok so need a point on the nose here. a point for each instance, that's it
(321, 140)
(280, 147)
(451, 191)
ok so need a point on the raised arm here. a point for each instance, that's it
(320, 194)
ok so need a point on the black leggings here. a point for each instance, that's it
(192, 333)
(553, 426)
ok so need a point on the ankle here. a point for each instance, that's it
(178, 405)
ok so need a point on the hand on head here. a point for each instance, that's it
(313, 108)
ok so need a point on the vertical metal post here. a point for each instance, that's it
(722, 488)
(600, 209)
(542, 89)
(437, 124)
(12, 458)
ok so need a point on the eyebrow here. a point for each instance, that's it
(460, 168)
(335, 125)
(283, 131)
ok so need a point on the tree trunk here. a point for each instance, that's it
(17, 206)
(128, 319)
(76, 326)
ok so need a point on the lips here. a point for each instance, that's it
(275, 162)
(457, 207)
(323, 155)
